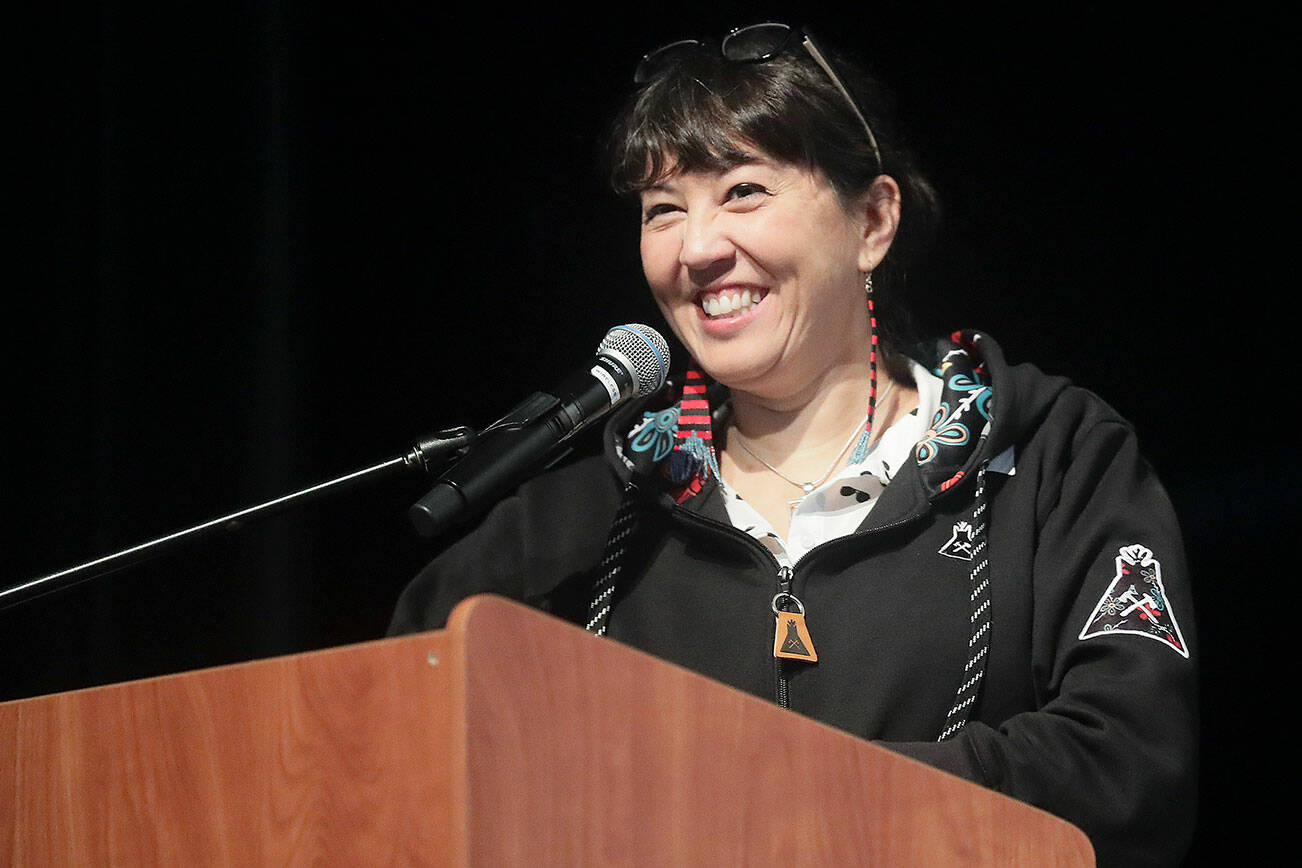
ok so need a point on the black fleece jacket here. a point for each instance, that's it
(1082, 542)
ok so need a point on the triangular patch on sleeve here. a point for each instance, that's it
(1136, 603)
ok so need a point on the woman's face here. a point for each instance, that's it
(759, 271)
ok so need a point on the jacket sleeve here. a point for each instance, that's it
(1112, 743)
(548, 534)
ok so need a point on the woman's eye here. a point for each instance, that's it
(741, 191)
(656, 210)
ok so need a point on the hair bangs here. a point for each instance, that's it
(701, 117)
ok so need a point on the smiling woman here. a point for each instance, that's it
(985, 572)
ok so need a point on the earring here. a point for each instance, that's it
(861, 449)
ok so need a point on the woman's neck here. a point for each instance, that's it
(814, 419)
(809, 422)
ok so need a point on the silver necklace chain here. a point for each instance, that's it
(808, 487)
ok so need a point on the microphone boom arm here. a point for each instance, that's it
(424, 454)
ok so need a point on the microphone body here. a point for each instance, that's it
(633, 360)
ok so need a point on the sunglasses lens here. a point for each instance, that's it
(656, 62)
(755, 43)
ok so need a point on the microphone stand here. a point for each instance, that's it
(421, 457)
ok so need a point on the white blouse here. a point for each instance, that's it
(837, 507)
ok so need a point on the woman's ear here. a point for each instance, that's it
(880, 209)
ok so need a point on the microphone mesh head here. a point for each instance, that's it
(646, 349)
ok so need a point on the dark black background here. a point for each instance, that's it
(262, 244)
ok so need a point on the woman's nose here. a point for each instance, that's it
(705, 244)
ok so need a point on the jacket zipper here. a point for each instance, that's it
(780, 665)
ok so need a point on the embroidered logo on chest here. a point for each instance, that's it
(1135, 602)
(961, 543)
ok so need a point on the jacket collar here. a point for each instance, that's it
(666, 441)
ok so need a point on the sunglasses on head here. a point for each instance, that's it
(754, 44)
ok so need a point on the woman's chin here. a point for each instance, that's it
(734, 367)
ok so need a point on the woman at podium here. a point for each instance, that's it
(916, 541)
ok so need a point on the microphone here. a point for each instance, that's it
(632, 360)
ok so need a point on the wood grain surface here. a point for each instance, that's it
(584, 751)
(508, 739)
(335, 757)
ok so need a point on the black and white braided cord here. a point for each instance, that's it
(612, 561)
(979, 642)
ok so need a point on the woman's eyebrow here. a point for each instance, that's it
(668, 186)
(660, 187)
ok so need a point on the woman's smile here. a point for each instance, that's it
(729, 302)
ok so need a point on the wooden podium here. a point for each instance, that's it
(510, 738)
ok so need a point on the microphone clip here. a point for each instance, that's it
(430, 451)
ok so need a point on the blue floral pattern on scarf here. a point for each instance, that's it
(655, 434)
(964, 411)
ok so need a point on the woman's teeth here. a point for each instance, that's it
(730, 302)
